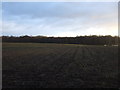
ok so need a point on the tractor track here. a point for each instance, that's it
(67, 61)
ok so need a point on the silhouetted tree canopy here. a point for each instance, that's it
(87, 40)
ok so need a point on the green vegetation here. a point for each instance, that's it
(36, 65)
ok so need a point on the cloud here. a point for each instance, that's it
(59, 19)
(40, 27)
(57, 9)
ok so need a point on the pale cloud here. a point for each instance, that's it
(60, 19)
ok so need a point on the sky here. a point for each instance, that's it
(59, 19)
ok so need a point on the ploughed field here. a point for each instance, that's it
(38, 65)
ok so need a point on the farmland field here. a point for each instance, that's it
(38, 65)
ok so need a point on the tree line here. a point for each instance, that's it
(87, 40)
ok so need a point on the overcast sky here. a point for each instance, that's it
(60, 18)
